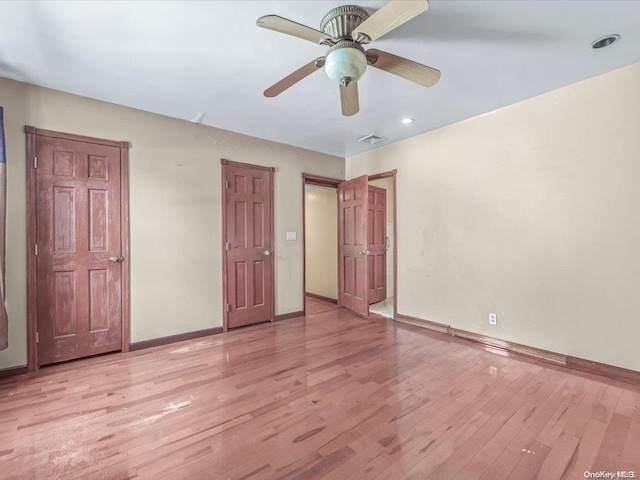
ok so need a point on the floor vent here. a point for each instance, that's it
(371, 139)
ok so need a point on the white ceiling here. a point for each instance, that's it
(179, 58)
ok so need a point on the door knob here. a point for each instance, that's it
(116, 259)
(365, 252)
(267, 253)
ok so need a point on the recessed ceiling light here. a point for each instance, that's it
(407, 120)
(605, 41)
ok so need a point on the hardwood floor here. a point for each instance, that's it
(330, 396)
(313, 306)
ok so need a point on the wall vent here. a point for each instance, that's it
(371, 139)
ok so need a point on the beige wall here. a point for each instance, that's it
(321, 232)
(528, 211)
(531, 212)
(176, 271)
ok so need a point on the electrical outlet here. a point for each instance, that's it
(493, 319)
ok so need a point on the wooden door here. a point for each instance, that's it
(79, 249)
(248, 203)
(377, 245)
(353, 268)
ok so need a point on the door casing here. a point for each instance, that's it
(224, 163)
(32, 295)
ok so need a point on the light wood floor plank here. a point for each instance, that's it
(330, 395)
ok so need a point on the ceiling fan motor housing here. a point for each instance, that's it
(341, 21)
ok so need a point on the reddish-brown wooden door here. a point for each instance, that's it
(376, 240)
(248, 201)
(353, 282)
(79, 249)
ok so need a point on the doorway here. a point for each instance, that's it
(320, 242)
(78, 237)
(366, 247)
(247, 233)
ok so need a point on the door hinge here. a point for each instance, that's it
(228, 307)
(226, 245)
(226, 184)
(35, 162)
(37, 337)
(35, 249)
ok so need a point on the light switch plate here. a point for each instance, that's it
(291, 236)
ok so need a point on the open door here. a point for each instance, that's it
(353, 278)
(376, 244)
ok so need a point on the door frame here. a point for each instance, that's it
(32, 295)
(394, 174)
(310, 179)
(224, 163)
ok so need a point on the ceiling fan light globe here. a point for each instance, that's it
(345, 62)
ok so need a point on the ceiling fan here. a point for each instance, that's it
(344, 30)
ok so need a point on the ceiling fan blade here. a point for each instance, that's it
(295, 77)
(402, 67)
(283, 25)
(391, 16)
(349, 99)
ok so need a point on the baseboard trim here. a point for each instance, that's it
(287, 316)
(419, 322)
(13, 371)
(526, 350)
(610, 371)
(320, 297)
(575, 363)
(156, 342)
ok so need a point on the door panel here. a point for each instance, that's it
(64, 290)
(352, 243)
(376, 233)
(98, 231)
(98, 306)
(248, 197)
(79, 291)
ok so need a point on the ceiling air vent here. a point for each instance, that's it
(371, 139)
